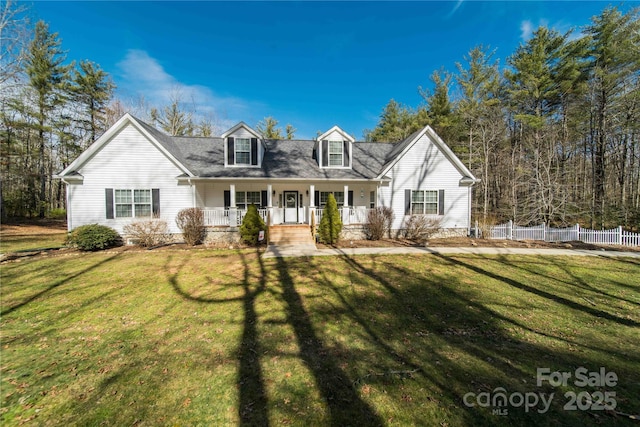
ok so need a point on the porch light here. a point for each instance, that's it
(362, 193)
(307, 192)
(274, 192)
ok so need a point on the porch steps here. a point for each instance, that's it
(290, 235)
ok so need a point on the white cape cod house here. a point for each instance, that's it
(134, 171)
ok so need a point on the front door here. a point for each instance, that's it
(290, 206)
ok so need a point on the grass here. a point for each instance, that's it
(209, 337)
(26, 242)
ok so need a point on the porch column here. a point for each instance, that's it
(312, 203)
(233, 211)
(345, 210)
(270, 204)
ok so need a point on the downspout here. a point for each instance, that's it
(66, 197)
(469, 197)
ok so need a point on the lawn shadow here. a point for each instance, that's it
(427, 314)
(57, 285)
(345, 405)
(252, 407)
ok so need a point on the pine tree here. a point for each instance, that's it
(269, 129)
(330, 223)
(92, 90)
(48, 78)
(290, 131)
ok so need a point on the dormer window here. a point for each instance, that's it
(335, 153)
(333, 149)
(243, 151)
(243, 147)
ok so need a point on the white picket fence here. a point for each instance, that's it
(615, 236)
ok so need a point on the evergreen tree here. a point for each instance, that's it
(330, 223)
(615, 67)
(439, 106)
(396, 123)
(290, 131)
(269, 128)
(251, 226)
(92, 90)
(174, 119)
(48, 78)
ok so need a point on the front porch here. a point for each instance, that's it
(230, 217)
(225, 203)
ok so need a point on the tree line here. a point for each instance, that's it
(52, 109)
(554, 135)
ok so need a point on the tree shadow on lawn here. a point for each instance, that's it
(418, 304)
(55, 285)
(252, 408)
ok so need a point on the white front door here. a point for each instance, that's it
(290, 206)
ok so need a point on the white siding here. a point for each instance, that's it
(128, 161)
(424, 167)
(334, 136)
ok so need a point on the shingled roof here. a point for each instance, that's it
(284, 159)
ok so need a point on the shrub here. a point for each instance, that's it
(378, 223)
(485, 225)
(421, 228)
(330, 223)
(251, 226)
(93, 237)
(57, 213)
(191, 222)
(148, 233)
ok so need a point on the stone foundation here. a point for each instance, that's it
(222, 235)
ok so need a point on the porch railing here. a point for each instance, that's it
(353, 215)
(222, 217)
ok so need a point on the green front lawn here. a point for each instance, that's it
(204, 337)
(28, 242)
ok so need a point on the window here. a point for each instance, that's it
(243, 151)
(335, 153)
(123, 204)
(138, 206)
(324, 195)
(372, 199)
(244, 199)
(424, 202)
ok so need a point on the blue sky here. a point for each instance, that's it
(311, 64)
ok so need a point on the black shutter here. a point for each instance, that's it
(231, 151)
(440, 202)
(254, 151)
(325, 153)
(108, 193)
(407, 202)
(316, 198)
(227, 199)
(350, 199)
(264, 198)
(345, 156)
(155, 202)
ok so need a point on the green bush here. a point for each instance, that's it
(191, 222)
(93, 237)
(57, 213)
(251, 226)
(330, 223)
